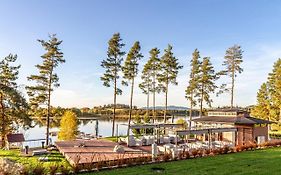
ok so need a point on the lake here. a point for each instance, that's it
(86, 126)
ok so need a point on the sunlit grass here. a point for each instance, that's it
(256, 162)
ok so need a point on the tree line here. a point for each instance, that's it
(160, 72)
(157, 75)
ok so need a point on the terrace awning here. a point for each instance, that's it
(204, 131)
(160, 125)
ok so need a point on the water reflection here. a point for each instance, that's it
(101, 128)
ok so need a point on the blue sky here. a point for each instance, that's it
(85, 27)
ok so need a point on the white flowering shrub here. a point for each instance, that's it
(9, 167)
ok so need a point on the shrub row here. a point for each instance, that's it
(130, 160)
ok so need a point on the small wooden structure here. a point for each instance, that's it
(15, 140)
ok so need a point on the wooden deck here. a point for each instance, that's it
(96, 151)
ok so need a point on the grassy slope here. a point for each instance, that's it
(251, 162)
(55, 158)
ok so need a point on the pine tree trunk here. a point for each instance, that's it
(3, 128)
(49, 108)
(232, 89)
(280, 115)
(166, 103)
(190, 111)
(147, 102)
(154, 114)
(201, 101)
(114, 106)
(131, 107)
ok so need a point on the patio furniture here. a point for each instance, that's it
(131, 141)
(39, 152)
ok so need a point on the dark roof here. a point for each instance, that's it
(239, 110)
(12, 138)
(234, 120)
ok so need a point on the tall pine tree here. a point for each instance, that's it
(112, 66)
(46, 80)
(130, 71)
(193, 85)
(153, 66)
(145, 85)
(233, 59)
(206, 83)
(169, 71)
(13, 106)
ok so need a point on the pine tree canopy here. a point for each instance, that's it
(46, 79)
(13, 106)
(194, 77)
(153, 68)
(169, 67)
(233, 60)
(112, 64)
(206, 81)
(130, 68)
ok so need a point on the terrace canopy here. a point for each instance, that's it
(156, 126)
(208, 131)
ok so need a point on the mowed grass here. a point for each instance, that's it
(267, 161)
(55, 158)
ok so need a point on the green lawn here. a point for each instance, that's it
(55, 158)
(257, 162)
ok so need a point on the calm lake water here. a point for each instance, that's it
(87, 126)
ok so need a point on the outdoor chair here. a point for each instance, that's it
(131, 141)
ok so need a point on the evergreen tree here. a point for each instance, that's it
(269, 96)
(13, 106)
(206, 83)
(145, 85)
(233, 59)
(130, 71)
(46, 80)
(274, 82)
(68, 126)
(169, 71)
(153, 66)
(112, 66)
(193, 85)
(262, 109)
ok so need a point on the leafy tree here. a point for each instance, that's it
(170, 69)
(262, 109)
(233, 60)
(46, 79)
(130, 71)
(13, 106)
(112, 66)
(183, 122)
(68, 126)
(153, 66)
(206, 83)
(193, 82)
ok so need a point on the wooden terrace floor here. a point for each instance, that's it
(97, 150)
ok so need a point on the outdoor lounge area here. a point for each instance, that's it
(173, 138)
(98, 150)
